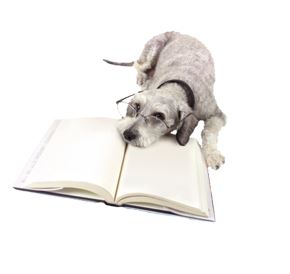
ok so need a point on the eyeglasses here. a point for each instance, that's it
(126, 108)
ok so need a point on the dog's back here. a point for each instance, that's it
(184, 57)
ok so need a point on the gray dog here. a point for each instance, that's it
(176, 74)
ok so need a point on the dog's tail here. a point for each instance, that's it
(128, 64)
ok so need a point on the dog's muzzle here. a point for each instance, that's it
(129, 135)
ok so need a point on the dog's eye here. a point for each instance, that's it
(137, 107)
(159, 115)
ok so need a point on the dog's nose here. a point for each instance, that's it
(129, 135)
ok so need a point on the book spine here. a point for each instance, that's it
(36, 154)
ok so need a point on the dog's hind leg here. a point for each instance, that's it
(149, 56)
(209, 135)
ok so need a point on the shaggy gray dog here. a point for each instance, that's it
(176, 74)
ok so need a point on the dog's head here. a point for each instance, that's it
(151, 115)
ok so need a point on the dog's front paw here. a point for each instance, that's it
(214, 158)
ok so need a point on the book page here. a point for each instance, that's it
(164, 170)
(81, 152)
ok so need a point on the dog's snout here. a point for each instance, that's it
(129, 135)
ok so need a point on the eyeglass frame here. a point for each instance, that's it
(145, 117)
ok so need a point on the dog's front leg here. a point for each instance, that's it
(209, 135)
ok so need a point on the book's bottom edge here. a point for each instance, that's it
(154, 210)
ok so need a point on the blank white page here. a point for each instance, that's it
(164, 169)
(82, 150)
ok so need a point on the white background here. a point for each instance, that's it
(50, 67)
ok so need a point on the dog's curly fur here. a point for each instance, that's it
(172, 55)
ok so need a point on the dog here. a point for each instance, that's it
(176, 74)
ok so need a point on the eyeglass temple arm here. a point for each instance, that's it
(120, 100)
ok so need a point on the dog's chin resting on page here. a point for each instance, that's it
(144, 135)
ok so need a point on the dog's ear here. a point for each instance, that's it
(186, 127)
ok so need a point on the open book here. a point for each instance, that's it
(87, 158)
